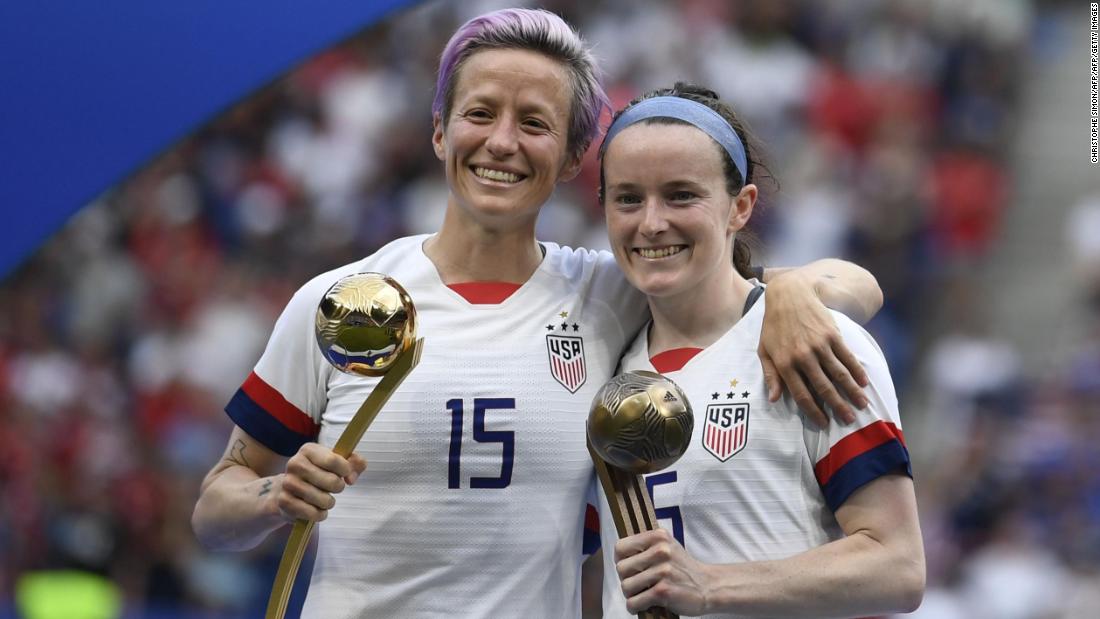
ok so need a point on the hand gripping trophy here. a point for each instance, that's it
(366, 325)
(640, 422)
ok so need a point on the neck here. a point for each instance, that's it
(698, 317)
(466, 251)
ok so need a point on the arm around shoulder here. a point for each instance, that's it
(841, 285)
(801, 348)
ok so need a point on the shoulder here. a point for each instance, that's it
(594, 274)
(857, 338)
(395, 254)
(881, 389)
(316, 287)
(595, 277)
(579, 263)
(385, 260)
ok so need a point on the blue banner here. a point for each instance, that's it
(93, 90)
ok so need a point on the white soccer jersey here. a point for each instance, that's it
(759, 480)
(472, 503)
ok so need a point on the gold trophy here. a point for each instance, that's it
(640, 423)
(366, 325)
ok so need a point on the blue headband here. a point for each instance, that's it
(700, 116)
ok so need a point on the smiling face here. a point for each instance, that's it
(504, 145)
(670, 219)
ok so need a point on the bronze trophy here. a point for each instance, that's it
(640, 422)
(366, 325)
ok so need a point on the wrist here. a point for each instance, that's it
(270, 488)
(798, 281)
(708, 590)
(716, 588)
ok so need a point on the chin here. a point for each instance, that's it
(656, 287)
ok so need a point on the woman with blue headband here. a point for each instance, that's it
(767, 514)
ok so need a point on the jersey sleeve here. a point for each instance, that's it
(281, 401)
(848, 456)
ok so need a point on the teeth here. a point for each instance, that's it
(497, 175)
(664, 252)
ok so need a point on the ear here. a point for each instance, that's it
(571, 169)
(438, 142)
(743, 204)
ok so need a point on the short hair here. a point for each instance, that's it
(539, 31)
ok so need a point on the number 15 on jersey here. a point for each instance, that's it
(506, 438)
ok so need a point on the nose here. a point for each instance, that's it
(653, 218)
(503, 140)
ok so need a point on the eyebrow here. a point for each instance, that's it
(671, 185)
(684, 184)
(622, 187)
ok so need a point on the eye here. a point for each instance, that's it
(683, 196)
(477, 114)
(535, 123)
(627, 199)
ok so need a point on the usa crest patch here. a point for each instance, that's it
(726, 431)
(567, 361)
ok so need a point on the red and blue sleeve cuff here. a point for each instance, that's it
(262, 412)
(859, 458)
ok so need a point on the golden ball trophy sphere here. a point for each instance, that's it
(364, 322)
(640, 422)
(365, 325)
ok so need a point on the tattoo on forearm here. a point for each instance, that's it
(266, 488)
(236, 454)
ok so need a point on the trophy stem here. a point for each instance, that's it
(345, 445)
(631, 509)
(288, 568)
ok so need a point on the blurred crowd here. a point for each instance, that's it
(888, 126)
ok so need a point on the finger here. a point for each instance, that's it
(851, 362)
(306, 471)
(326, 459)
(358, 465)
(294, 508)
(634, 544)
(771, 376)
(804, 399)
(644, 601)
(638, 589)
(641, 602)
(824, 391)
(640, 571)
(298, 488)
(844, 381)
(631, 565)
